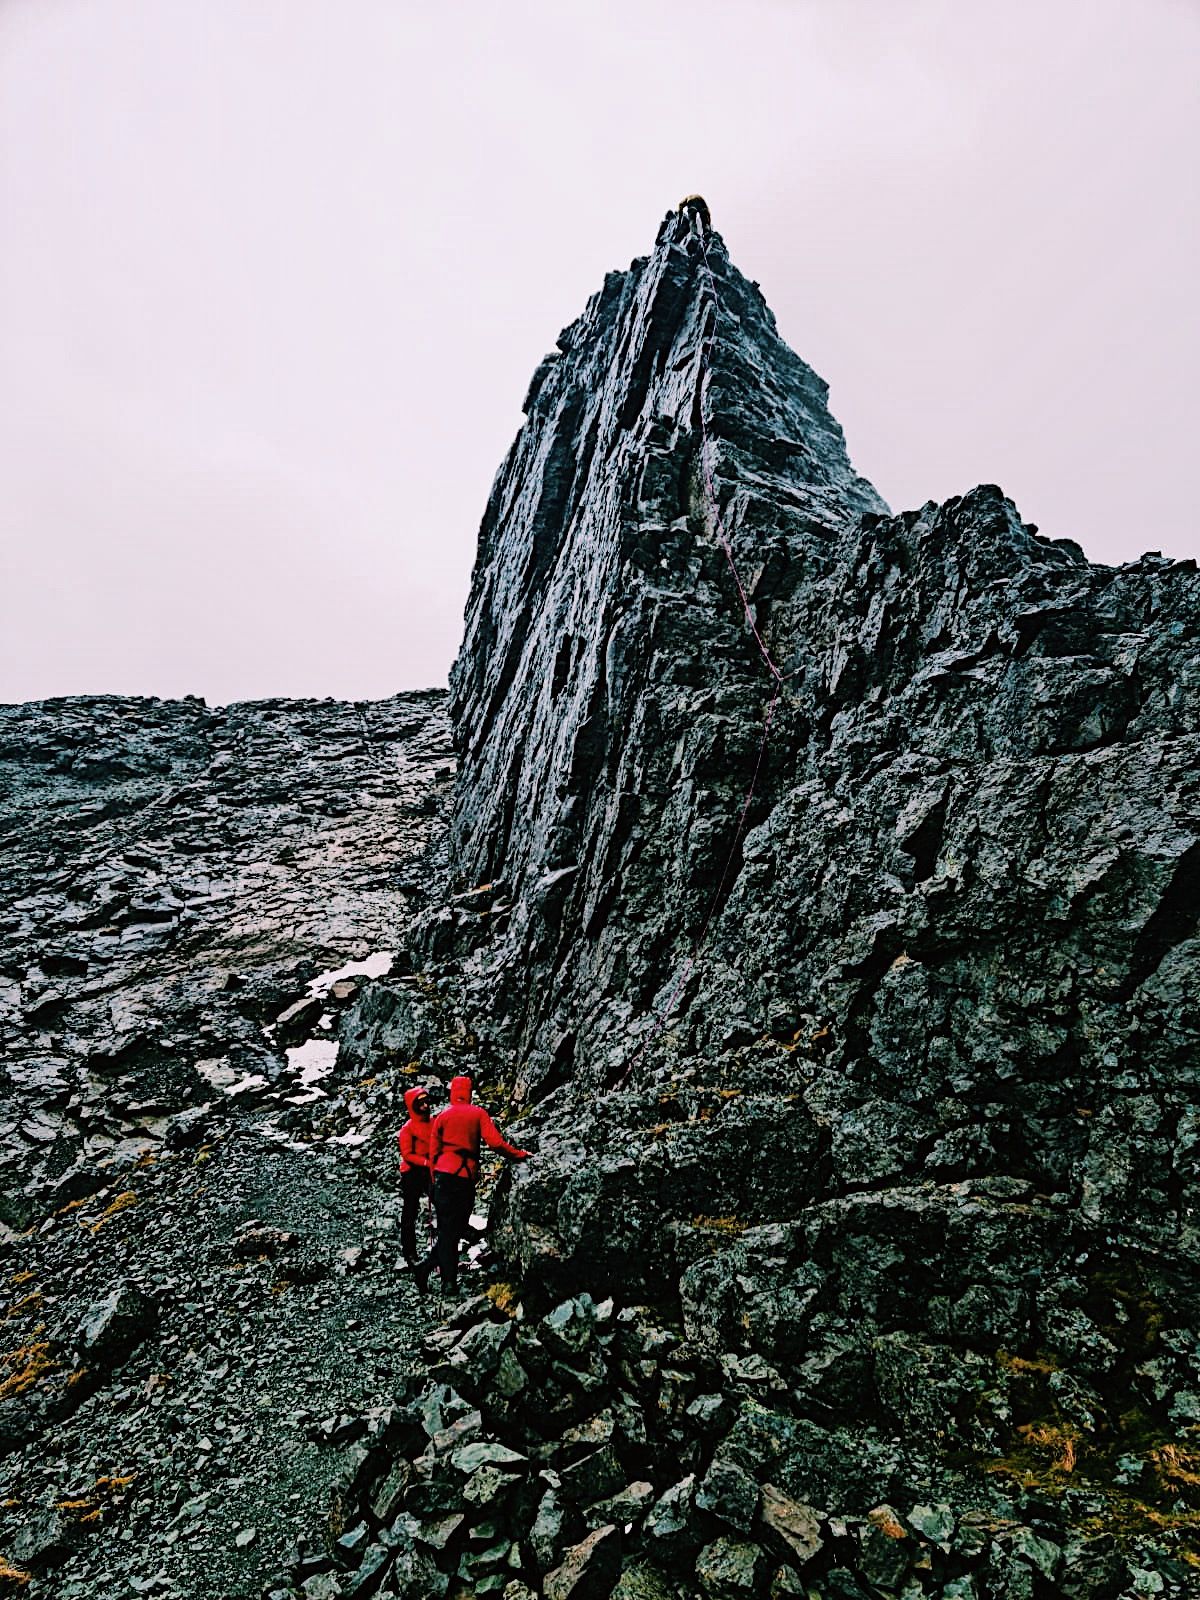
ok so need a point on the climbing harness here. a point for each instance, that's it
(663, 1014)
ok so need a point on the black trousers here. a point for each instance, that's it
(453, 1198)
(414, 1186)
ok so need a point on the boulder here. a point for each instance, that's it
(794, 1526)
(588, 1570)
(731, 1569)
(115, 1326)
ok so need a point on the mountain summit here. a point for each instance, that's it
(817, 897)
(607, 689)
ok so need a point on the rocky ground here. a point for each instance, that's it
(198, 1201)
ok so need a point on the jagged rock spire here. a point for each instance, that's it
(602, 620)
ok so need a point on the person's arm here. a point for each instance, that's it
(408, 1145)
(496, 1140)
(435, 1142)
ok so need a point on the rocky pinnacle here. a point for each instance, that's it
(860, 1063)
(607, 691)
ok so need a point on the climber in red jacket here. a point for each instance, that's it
(416, 1181)
(455, 1136)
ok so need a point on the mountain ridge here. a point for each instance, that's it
(855, 1257)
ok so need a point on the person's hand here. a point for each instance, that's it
(522, 1155)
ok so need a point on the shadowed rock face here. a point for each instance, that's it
(605, 700)
(901, 1141)
(857, 1254)
(969, 890)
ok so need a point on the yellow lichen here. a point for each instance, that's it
(720, 1224)
(1059, 1443)
(20, 1277)
(18, 1307)
(11, 1576)
(1176, 1466)
(121, 1203)
(504, 1297)
(887, 1524)
(1022, 1364)
(27, 1365)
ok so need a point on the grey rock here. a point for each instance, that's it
(369, 1573)
(588, 1569)
(623, 1508)
(729, 1493)
(546, 1530)
(468, 1458)
(669, 1525)
(116, 1325)
(592, 1476)
(45, 1540)
(887, 1548)
(729, 1568)
(641, 1580)
(795, 1526)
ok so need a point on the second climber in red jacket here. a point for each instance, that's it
(455, 1136)
(415, 1180)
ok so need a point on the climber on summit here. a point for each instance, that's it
(415, 1181)
(693, 208)
(454, 1141)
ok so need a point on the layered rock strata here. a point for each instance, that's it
(882, 1110)
(856, 1257)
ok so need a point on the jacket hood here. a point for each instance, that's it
(411, 1096)
(460, 1091)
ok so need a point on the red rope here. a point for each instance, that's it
(664, 1012)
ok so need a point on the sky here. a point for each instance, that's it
(274, 275)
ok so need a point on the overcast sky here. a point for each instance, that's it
(274, 275)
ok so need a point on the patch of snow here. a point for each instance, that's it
(313, 1060)
(373, 966)
(252, 1080)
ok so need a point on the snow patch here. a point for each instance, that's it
(372, 966)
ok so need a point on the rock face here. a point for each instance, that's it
(856, 1257)
(605, 702)
(884, 1095)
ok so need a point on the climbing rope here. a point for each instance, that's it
(663, 1014)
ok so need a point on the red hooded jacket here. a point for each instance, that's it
(455, 1134)
(414, 1135)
